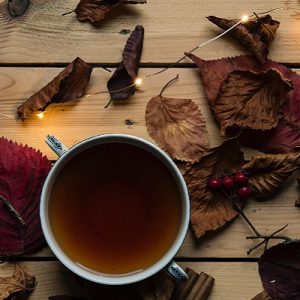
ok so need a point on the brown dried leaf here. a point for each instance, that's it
(268, 171)
(94, 11)
(255, 36)
(121, 84)
(286, 136)
(262, 296)
(18, 286)
(177, 126)
(212, 210)
(251, 100)
(17, 8)
(68, 85)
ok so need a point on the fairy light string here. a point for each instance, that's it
(138, 82)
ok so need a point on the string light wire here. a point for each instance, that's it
(139, 80)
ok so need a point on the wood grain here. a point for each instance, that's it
(43, 35)
(234, 281)
(87, 117)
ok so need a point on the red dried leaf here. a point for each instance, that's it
(22, 174)
(267, 172)
(18, 286)
(94, 11)
(68, 85)
(121, 84)
(178, 126)
(286, 136)
(211, 210)
(251, 100)
(279, 269)
(255, 35)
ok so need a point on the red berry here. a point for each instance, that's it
(244, 192)
(228, 183)
(214, 183)
(240, 178)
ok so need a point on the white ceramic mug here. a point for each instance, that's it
(166, 261)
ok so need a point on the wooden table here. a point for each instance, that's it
(35, 47)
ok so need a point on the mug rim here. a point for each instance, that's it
(112, 279)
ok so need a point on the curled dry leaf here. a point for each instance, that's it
(121, 84)
(177, 126)
(255, 35)
(212, 210)
(94, 11)
(18, 286)
(68, 85)
(279, 269)
(251, 100)
(23, 171)
(268, 171)
(17, 8)
(286, 136)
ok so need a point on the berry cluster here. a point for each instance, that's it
(237, 182)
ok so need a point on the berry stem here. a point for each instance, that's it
(258, 235)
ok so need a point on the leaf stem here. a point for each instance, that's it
(167, 84)
(10, 207)
(69, 12)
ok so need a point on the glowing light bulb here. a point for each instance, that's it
(40, 115)
(244, 18)
(138, 81)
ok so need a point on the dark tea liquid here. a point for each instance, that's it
(115, 209)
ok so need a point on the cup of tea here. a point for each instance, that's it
(115, 209)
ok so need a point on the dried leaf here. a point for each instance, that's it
(286, 136)
(255, 36)
(22, 174)
(267, 172)
(121, 84)
(95, 11)
(198, 286)
(262, 296)
(251, 100)
(177, 126)
(18, 286)
(17, 8)
(68, 85)
(279, 269)
(212, 210)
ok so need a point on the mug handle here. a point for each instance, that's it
(176, 272)
(57, 146)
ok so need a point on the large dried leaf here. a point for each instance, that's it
(212, 210)
(251, 100)
(68, 85)
(23, 171)
(255, 35)
(286, 136)
(95, 11)
(18, 286)
(177, 126)
(267, 172)
(279, 269)
(17, 8)
(121, 84)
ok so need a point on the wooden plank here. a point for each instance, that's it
(171, 28)
(234, 281)
(87, 117)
